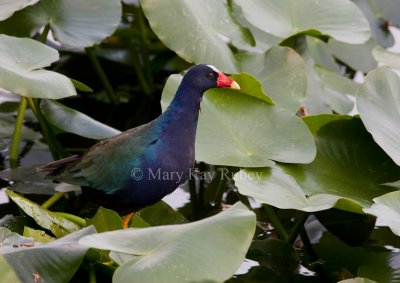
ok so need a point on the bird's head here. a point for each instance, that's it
(204, 77)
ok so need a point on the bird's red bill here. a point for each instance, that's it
(224, 81)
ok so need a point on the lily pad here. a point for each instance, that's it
(58, 225)
(381, 267)
(278, 256)
(37, 235)
(385, 57)
(250, 131)
(196, 37)
(75, 23)
(282, 74)
(349, 167)
(378, 102)
(357, 280)
(336, 82)
(315, 101)
(327, 90)
(386, 10)
(357, 56)
(73, 121)
(26, 180)
(105, 220)
(283, 18)
(367, 262)
(160, 213)
(7, 273)
(337, 89)
(387, 209)
(375, 12)
(178, 253)
(7, 8)
(43, 262)
(263, 40)
(321, 54)
(21, 63)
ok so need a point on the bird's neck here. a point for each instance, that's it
(180, 119)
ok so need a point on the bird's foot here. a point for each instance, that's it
(126, 219)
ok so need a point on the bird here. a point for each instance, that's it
(140, 166)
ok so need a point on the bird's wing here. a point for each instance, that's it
(107, 165)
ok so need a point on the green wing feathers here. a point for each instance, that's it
(107, 165)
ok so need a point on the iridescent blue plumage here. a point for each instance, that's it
(140, 166)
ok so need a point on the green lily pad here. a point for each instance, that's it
(327, 90)
(385, 57)
(387, 209)
(357, 280)
(283, 18)
(357, 56)
(378, 102)
(7, 8)
(7, 124)
(349, 167)
(263, 40)
(21, 60)
(193, 30)
(73, 121)
(7, 273)
(58, 225)
(381, 267)
(43, 262)
(321, 54)
(160, 213)
(180, 253)
(315, 101)
(282, 74)
(251, 87)
(337, 89)
(352, 228)
(250, 131)
(386, 10)
(73, 23)
(375, 12)
(37, 235)
(368, 262)
(278, 256)
(336, 82)
(105, 220)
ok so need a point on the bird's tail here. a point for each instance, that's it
(59, 166)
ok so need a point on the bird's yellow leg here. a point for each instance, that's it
(126, 219)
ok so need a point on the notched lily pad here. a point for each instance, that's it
(178, 253)
(32, 260)
(73, 121)
(349, 167)
(58, 225)
(21, 63)
(250, 131)
(342, 19)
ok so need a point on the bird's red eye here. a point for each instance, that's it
(211, 75)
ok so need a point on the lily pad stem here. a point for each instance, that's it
(193, 197)
(280, 230)
(92, 275)
(56, 149)
(16, 137)
(297, 227)
(144, 47)
(76, 219)
(102, 76)
(220, 191)
(45, 33)
(138, 69)
(52, 200)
